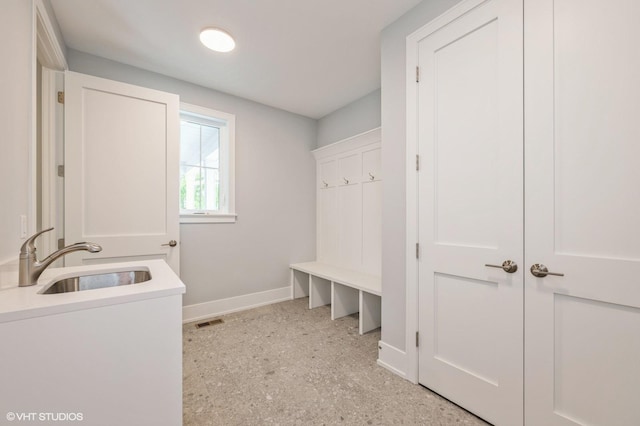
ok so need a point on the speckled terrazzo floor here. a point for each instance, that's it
(284, 364)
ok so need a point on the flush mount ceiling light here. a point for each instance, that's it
(217, 40)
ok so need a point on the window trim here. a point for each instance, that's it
(228, 130)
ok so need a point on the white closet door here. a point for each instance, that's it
(470, 209)
(121, 171)
(582, 93)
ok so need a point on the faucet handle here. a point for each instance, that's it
(29, 246)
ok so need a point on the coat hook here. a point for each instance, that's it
(371, 177)
(345, 180)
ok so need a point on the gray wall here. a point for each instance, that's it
(393, 164)
(275, 191)
(16, 118)
(357, 117)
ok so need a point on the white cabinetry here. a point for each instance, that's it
(346, 274)
(109, 356)
(349, 203)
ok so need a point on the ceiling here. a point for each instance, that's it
(310, 57)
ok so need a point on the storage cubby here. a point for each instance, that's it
(319, 292)
(347, 291)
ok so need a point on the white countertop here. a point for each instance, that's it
(18, 303)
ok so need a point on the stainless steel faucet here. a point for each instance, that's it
(31, 268)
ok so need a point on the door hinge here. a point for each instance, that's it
(417, 339)
(417, 250)
(61, 171)
(60, 243)
(417, 74)
(417, 163)
(61, 97)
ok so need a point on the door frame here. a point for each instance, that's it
(411, 181)
(49, 52)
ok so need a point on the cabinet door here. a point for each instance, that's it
(121, 171)
(470, 209)
(582, 92)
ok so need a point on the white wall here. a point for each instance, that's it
(16, 120)
(393, 164)
(357, 117)
(275, 191)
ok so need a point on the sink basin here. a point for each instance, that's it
(91, 282)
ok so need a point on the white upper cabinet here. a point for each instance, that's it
(349, 203)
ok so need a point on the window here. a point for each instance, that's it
(206, 165)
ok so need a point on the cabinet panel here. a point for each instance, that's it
(350, 168)
(350, 226)
(327, 174)
(371, 226)
(328, 225)
(371, 165)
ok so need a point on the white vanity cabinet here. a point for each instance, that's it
(109, 356)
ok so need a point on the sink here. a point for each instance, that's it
(91, 282)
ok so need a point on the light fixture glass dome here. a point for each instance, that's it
(217, 40)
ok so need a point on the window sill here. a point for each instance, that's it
(209, 218)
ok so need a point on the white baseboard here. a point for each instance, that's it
(234, 304)
(392, 358)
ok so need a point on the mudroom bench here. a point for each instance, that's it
(346, 290)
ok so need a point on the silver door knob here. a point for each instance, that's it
(541, 271)
(509, 266)
(171, 243)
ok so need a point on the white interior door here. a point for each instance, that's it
(121, 171)
(582, 98)
(470, 209)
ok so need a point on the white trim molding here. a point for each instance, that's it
(209, 218)
(393, 359)
(219, 307)
(353, 142)
(50, 52)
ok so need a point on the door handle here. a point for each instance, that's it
(541, 271)
(509, 266)
(171, 243)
